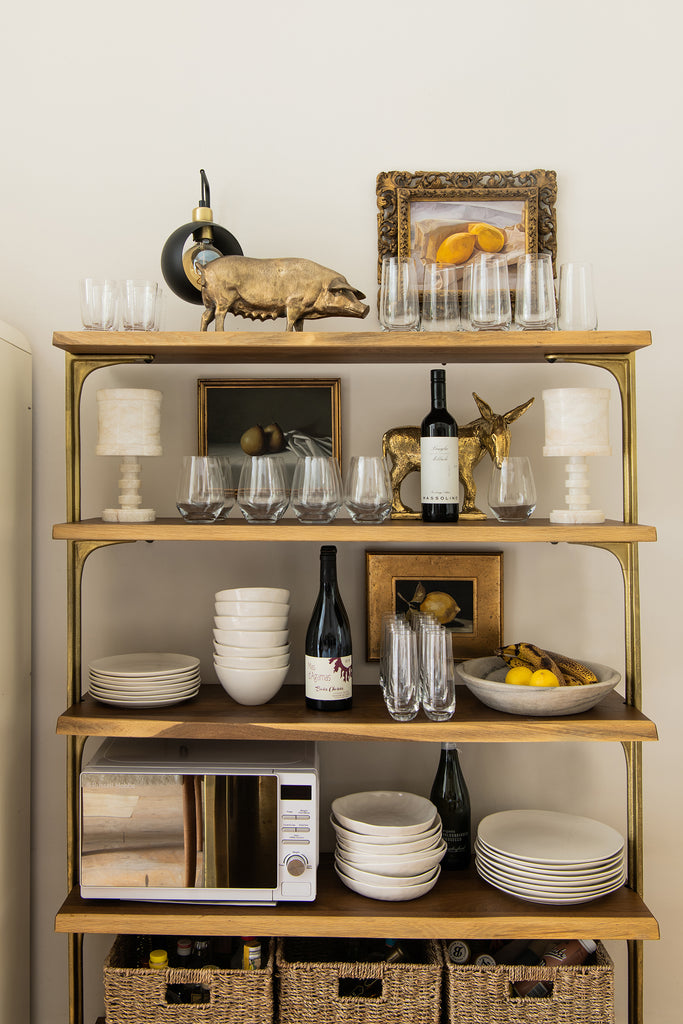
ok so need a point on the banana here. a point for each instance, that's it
(577, 674)
(533, 657)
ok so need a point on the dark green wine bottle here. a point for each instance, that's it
(450, 797)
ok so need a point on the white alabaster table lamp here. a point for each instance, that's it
(577, 425)
(129, 425)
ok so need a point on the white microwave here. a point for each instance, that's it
(186, 820)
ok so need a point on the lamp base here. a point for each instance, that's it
(128, 515)
(575, 515)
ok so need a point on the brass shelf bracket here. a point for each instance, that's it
(623, 368)
(78, 368)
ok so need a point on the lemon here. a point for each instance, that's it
(456, 248)
(519, 676)
(544, 677)
(442, 606)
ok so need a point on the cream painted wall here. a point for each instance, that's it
(293, 108)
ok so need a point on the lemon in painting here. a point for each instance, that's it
(442, 606)
(456, 248)
(519, 675)
(489, 238)
(544, 677)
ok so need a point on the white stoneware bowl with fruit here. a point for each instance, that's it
(485, 678)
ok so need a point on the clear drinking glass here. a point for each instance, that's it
(402, 678)
(261, 493)
(512, 492)
(390, 621)
(535, 293)
(399, 303)
(577, 309)
(200, 492)
(437, 674)
(99, 304)
(139, 305)
(367, 493)
(316, 489)
(440, 298)
(228, 486)
(489, 299)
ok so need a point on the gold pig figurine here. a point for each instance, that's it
(489, 433)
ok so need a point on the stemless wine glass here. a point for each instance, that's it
(577, 310)
(535, 293)
(399, 303)
(316, 489)
(200, 489)
(402, 678)
(512, 492)
(261, 493)
(440, 298)
(489, 300)
(367, 493)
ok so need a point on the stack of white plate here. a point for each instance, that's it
(150, 679)
(550, 857)
(389, 844)
(251, 642)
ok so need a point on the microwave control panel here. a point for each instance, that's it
(298, 835)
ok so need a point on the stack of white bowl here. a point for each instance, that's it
(251, 642)
(389, 844)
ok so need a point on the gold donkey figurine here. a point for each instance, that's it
(490, 433)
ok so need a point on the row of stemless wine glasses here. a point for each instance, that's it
(206, 491)
(476, 297)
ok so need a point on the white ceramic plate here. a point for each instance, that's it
(386, 881)
(395, 894)
(564, 886)
(523, 868)
(251, 622)
(148, 691)
(144, 681)
(227, 651)
(251, 638)
(553, 900)
(397, 866)
(550, 837)
(276, 594)
(148, 663)
(151, 702)
(416, 841)
(485, 677)
(384, 812)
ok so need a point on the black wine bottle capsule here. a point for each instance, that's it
(329, 667)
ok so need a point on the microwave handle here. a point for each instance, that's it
(190, 829)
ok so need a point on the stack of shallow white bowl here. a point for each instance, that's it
(389, 844)
(146, 680)
(549, 856)
(251, 642)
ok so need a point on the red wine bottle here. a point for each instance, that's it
(329, 672)
(439, 458)
(450, 797)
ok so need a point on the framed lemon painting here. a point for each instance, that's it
(451, 217)
(462, 590)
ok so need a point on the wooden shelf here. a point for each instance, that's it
(240, 347)
(213, 715)
(460, 904)
(482, 531)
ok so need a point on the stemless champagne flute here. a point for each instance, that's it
(489, 299)
(367, 493)
(437, 674)
(200, 492)
(316, 489)
(399, 303)
(535, 293)
(440, 298)
(261, 493)
(512, 492)
(402, 679)
(577, 310)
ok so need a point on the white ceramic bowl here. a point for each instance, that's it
(276, 594)
(251, 608)
(229, 651)
(384, 812)
(384, 880)
(396, 866)
(250, 622)
(279, 661)
(395, 850)
(485, 678)
(251, 687)
(251, 638)
(418, 841)
(395, 893)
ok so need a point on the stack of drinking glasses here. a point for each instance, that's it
(106, 304)
(416, 667)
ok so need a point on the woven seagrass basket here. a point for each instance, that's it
(313, 979)
(137, 995)
(582, 994)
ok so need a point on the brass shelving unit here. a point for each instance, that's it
(463, 906)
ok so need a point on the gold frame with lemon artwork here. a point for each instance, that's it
(450, 217)
(284, 417)
(464, 590)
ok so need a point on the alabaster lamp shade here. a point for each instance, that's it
(576, 426)
(129, 425)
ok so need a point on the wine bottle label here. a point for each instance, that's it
(439, 470)
(329, 678)
(456, 841)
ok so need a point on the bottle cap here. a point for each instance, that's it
(158, 958)
(588, 945)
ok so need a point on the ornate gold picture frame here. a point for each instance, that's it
(419, 210)
(463, 588)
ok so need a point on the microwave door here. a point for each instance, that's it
(241, 832)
